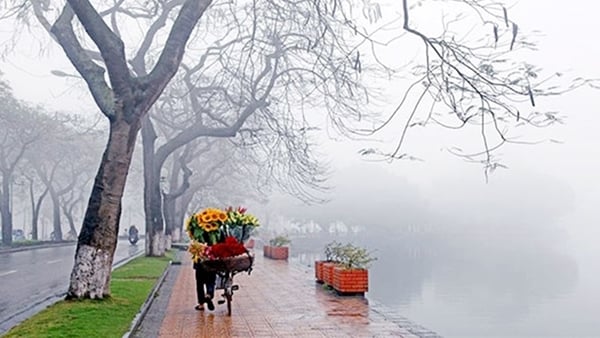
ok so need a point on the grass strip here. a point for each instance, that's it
(111, 317)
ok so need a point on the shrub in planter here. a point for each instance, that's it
(330, 256)
(351, 276)
(280, 241)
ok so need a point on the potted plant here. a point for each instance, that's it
(278, 248)
(331, 250)
(351, 275)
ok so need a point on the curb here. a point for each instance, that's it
(139, 317)
(126, 260)
(38, 246)
(386, 312)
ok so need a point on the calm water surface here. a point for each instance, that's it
(505, 286)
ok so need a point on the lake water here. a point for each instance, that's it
(481, 286)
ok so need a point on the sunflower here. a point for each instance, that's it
(222, 217)
(209, 227)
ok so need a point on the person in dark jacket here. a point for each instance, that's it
(204, 278)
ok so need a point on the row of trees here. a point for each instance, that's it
(48, 161)
(43, 156)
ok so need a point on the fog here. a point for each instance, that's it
(513, 255)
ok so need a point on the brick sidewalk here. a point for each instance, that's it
(278, 300)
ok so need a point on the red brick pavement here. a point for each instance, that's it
(277, 300)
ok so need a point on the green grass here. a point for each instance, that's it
(111, 317)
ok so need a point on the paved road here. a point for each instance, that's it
(29, 277)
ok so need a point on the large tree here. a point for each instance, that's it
(124, 98)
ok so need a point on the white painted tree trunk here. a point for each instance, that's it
(176, 235)
(168, 242)
(158, 244)
(90, 277)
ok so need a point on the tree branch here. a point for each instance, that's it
(174, 48)
(110, 45)
(91, 72)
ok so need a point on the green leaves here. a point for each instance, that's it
(280, 240)
(349, 255)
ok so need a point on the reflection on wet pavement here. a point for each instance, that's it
(279, 299)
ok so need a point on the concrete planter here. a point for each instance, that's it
(350, 281)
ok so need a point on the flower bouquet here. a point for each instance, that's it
(218, 236)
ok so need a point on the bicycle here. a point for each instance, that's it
(226, 269)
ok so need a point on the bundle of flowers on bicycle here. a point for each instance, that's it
(218, 238)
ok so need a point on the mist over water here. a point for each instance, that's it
(505, 259)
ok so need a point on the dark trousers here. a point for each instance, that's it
(204, 277)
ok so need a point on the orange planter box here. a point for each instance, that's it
(328, 272)
(319, 271)
(267, 251)
(350, 281)
(279, 252)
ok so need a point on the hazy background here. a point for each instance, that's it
(461, 256)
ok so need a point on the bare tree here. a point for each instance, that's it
(469, 80)
(36, 203)
(62, 162)
(19, 131)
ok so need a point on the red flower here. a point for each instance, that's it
(231, 247)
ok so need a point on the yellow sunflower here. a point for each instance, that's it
(208, 227)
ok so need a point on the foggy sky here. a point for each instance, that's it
(556, 181)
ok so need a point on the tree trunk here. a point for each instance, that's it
(56, 226)
(90, 277)
(68, 211)
(176, 235)
(169, 213)
(169, 200)
(35, 210)
(5, 211)
(181, 207)
(155, 245)
(168, 206)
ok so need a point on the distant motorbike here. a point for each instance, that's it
(133, 239)
(133, 234)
